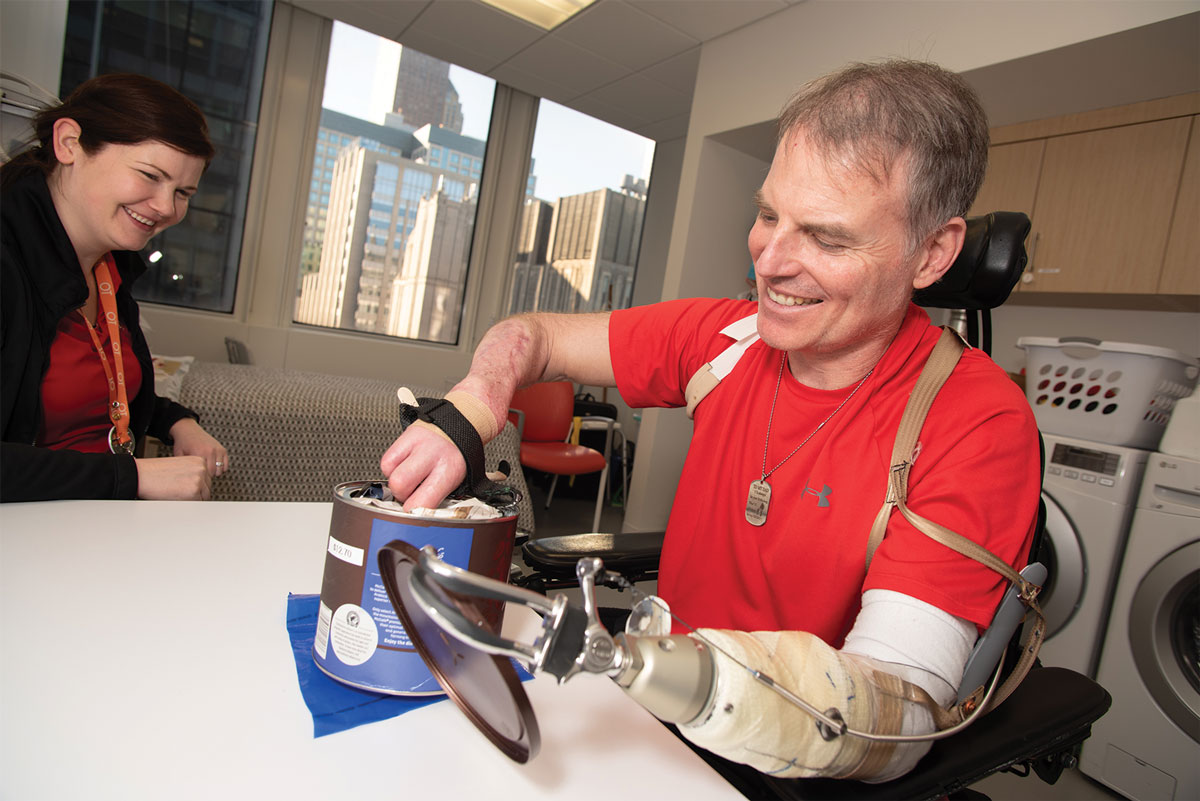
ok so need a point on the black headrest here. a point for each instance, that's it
(987, 269)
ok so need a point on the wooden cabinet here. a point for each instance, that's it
(1181, 268)
(1104, 205)
(1115, 210)
(1012, 178)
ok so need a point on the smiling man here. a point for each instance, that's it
(874, 169)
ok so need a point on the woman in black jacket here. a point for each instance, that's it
(115, 164)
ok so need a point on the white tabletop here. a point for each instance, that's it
(144, 655)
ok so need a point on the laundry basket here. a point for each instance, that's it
(1113, 392)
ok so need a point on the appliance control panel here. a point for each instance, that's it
(1110, 472)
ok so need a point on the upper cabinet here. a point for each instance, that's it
(1113, 209)
(1181, 269)
(1012, 178)
(1103, 209)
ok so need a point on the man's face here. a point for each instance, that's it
(830, 250)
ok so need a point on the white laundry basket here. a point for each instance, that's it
(1113, 392)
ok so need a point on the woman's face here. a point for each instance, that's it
(118, 197)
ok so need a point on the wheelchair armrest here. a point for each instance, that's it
(1050, 713)
(632, 553)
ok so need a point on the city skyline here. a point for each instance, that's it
(361, 82)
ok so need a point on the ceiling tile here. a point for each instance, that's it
(382, 19)
(538, 84)
(474, 27)
(678, 72)
(455, 52)
(665, 130)
(623, 34)
(564, 64)
(644, 98)
(710, 18)
(622, 116)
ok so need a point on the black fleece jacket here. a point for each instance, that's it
(40, 283)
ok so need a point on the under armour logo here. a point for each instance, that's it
(822, 496)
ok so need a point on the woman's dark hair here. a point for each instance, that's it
(119, 109)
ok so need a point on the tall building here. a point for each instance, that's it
(533, 239)
(592, 248)
(440, 147)
(334, 132)
(374, 199)
(424, 93)
(427, 296)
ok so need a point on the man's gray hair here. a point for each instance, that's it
(884, 114)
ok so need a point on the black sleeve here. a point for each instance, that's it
(164, 414)
(29, 473)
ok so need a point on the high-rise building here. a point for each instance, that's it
(374, 198)
(424, 93)
(427, 296)
(592, 249)
(335, 131)
(440, 147)
(533, 239)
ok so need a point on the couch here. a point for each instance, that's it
(293, 435)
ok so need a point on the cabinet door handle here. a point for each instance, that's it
(1027, 276)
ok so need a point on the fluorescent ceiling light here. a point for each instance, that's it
(545, 14)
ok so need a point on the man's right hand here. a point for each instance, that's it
(173, 478)
(422, 467)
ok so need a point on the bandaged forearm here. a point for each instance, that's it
(748, 722)
(899, 669)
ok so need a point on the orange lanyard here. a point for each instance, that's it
(119, 438)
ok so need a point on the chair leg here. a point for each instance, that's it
(550, 495)
(600, 498)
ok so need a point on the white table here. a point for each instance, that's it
(145, 656)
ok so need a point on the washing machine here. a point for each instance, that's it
(1147, 746)
(1090, 490)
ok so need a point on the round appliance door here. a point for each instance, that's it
(1164, 633)
(1062, 554)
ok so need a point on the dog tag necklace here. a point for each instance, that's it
(758, 501)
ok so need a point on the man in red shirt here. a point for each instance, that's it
(765, 551)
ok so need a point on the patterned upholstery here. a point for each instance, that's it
(293, 436)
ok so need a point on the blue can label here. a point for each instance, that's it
(359, 639)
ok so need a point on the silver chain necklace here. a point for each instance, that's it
(759, 498)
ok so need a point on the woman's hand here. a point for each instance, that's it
(174, 478)
(192, 440)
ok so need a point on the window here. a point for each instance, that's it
(392, 256)
(214, 53)
(581, 226)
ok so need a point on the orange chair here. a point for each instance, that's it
(543, 416)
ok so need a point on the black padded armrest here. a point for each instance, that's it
(1052, 710)
(988, 267)
(622, 553)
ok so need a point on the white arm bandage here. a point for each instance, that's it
(900, 653)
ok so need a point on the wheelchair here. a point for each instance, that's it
(1037, 730)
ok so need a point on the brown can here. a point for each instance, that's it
(359, 639)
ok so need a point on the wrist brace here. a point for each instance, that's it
(464, 421)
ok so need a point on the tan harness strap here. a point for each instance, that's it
(937, 369)
(940, 365)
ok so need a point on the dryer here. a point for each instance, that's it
(1089, 490)
(1148, 744)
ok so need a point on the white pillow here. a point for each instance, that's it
(168, 375)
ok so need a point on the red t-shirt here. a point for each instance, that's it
(75, 389)
(977, 473)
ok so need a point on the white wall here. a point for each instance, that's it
(747, 75)
(31, 40)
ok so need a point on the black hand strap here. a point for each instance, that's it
(443, 414)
